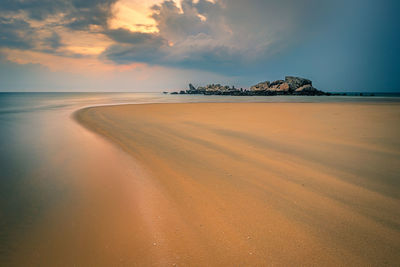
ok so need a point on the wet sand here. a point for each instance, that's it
(258, 184)
(224, 185)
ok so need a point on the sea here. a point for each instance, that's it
(41, 147)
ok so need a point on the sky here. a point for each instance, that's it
(158, 45)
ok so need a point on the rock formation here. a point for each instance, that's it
(290, 86)
(191, 87)
(296, 82)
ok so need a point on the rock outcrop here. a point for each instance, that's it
(191, 87)
(296, 82)
(213, 89)
(290, 86)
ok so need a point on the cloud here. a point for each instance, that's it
(134, 47)
(19, 34)
(15, 33)
(37, 25)
(225, 36)
(89, 12)
(176, 25)
(218, 35)
(191, 37)
(76, 14)
(134, 38)
(54, 40)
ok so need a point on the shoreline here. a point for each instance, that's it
(287, 182)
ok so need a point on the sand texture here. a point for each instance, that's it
(237, 185)
(262, 184)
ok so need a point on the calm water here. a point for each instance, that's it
(41, 148)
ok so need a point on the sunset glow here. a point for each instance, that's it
(134, 16)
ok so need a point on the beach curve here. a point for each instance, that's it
(256, 184)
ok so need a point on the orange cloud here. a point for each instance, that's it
(134, 15)
(84, 65)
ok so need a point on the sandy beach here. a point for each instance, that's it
(199, 133)
(260, 184)
(207, 184)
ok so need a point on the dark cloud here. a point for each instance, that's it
(77, 14)
(89, 12)
(18, 34)
(196, 52)
(54, 40)
(15, 33)
(134, 47)
(35, 9)
(17, 17)
(135, 38)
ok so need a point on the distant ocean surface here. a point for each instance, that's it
(40, 143)
(29, 102)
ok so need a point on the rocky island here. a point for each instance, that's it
(290, 86)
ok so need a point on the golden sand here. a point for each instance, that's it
(241, 185)
(264, 184)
